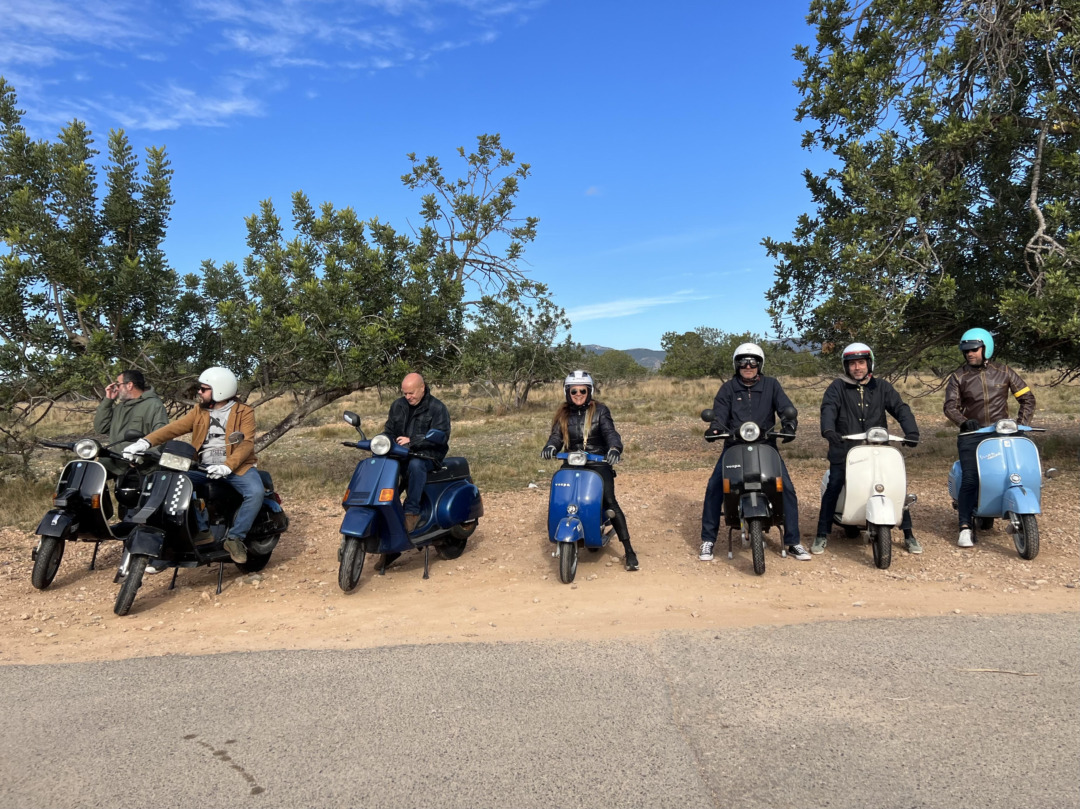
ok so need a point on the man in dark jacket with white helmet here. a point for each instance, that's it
(853, 404)
(750, 396)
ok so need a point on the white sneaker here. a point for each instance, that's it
(705, 554)
(965, 538)
(799, 552)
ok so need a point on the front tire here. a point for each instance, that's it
(131, 584)
(352, 564)
(48, 561)
(1026, 535)
(757, 545)
(881, 537)
(567, 561)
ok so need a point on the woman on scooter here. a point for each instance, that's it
(582, 423)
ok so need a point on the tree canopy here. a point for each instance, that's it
(954, 200)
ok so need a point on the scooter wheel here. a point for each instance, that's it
(881, 537)
(567, 561)
(48, 562)
(131, 584)
(1026, 535)
(352, 564)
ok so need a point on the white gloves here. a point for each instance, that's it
(138, 448)
(217, 471)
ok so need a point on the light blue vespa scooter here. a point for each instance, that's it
(1010, 483)
(576, 514)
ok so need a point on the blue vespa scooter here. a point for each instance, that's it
(1010, 483)
(374, 520)
(576, 515)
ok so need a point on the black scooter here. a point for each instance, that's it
(753, 486)
(82, 509)
(183, 527)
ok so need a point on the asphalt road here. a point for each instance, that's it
(883, 713)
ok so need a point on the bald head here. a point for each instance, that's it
(412, 388)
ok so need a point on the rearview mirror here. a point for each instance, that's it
(351, 418)
(707, 415)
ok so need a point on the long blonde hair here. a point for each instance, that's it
(562, 420)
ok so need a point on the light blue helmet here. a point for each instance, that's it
(976, 338)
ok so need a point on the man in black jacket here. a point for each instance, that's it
(853, 404)
(750, 396)
(410, 419)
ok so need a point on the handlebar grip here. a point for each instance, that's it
(55, 444)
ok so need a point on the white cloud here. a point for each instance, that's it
(630, 306)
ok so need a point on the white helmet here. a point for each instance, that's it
(578, 378)
(750, 350)
(859, 351)
(222, 383)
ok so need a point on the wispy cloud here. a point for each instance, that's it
(173, 106)
(630, 306)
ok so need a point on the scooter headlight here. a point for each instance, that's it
(577, 458)
(380, 444)
(87, 448)
(877, 435)
(749, 431)
(1005, 427)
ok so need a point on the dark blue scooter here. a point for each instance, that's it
(374, 520)
(1010, 483)
(576, 515)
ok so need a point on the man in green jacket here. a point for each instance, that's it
(128, 405)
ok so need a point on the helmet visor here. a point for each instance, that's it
(971, 345)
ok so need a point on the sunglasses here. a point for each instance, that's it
(578, 391)
(747, 362)
(204, 388)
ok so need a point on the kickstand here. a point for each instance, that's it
(220, 573)
(427, 554)
(97, 546)
(175, 571)
(729, 553)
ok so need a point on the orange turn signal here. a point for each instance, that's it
(386, 495)
(727, 486)
(346, 497)
(779, 484)
(95, 501)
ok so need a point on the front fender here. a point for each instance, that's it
(146, 540)
(881, 511)
(569, 529)
(1020, 500)
(753, 505)
(57, 523)
(358, 522)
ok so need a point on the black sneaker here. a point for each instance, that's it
(631, 561)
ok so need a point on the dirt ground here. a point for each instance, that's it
(506, 587)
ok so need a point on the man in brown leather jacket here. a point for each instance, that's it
(977, 395)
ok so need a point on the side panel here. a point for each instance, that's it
(455, 503)
(580, 487)
(954, 480)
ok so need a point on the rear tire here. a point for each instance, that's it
(1026, 537)
(984, 523)
(463, 531)
(255, 562)
(48, 561)
(352, 564)
(757, 545)
(450, 548)
(131, 584)
(881, 537)
(567, 561)
(852, 531)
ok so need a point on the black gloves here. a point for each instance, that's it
(613, 456)
(787, 427)
(834, 438)
(712, 435)
(969, 425)
(911, 440)
(548, 452)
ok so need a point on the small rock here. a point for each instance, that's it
(857, 604)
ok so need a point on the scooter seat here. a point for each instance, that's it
(452, 469)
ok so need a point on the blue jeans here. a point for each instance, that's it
(837, 475)
(967, 499)
(250, 487)
(415, 481)
(714, 502)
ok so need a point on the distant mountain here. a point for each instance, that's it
(645, 357)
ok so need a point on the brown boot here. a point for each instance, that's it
(411, 521)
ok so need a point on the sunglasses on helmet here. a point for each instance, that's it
(748, 362)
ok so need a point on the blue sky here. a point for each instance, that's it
(661, 136)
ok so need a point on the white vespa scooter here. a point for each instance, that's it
(875, 491)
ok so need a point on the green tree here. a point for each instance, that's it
(954, 200)
(339, 307)
(705, 352)
(84, 284)
(515, 341)
(613, 367)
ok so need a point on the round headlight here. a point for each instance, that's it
(87, 448)
(749, 431)
(877, 435)
(380, 444)
(1005, 427)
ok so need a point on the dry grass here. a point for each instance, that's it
(657, 417)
